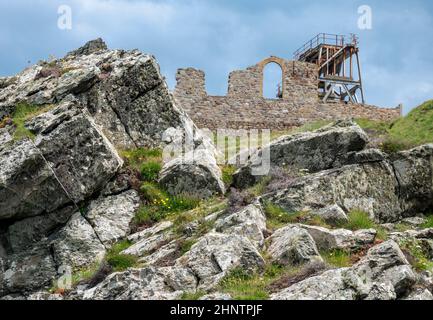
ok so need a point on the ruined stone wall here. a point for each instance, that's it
(245, 108)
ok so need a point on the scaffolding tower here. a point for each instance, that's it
(337, 58)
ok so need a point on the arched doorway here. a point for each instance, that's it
(272, 78)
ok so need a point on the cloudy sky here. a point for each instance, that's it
(222, 35)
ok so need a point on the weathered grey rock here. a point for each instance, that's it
(382, 291)
(144, 284)
(217, 296)
(46, 296)
(69, 160)
(420, 294)
(28, 271)
(148, 232)
(364, 156)
(89, 48)
(149, 245)
(414, 172)
(21, 169)
(327, 239)
(332, 215)
(292, 245)
(414, 221)
(250, 222)
(401, 277)
(313, 151)
(381, 274)
(369, 187)
(196, 173)
(111, 216)
(165, 255)
(27, 232)
(216, 254)
(77, 245)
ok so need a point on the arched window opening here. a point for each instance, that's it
(272, 81)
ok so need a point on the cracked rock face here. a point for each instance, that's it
(111, 216)
(215, 254)
(383, 273)
(68, 161)
(292, 246)
(312, 151)
(144, 284)
(77, 244)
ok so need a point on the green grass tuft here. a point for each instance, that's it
(428, 223)
(358, 220)
(419, 258)
(150, 170)
(118, 261)
(192, 296)
(24, 112)
(337, 258)
(227, 174)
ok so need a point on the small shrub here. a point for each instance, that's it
(337, 258)
(135, 158)
(150, 171)
(227, 174)
(118, 261)
(393, 145)
(186, 245)
(244, 286)
(152, 193)
(260, 188)
(417, 255)
(428, 223)
(148, 215)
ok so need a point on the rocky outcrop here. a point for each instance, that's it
(384, 274)
(143, 284)
(196, 173)
(250, 223)
(311, 151)
(292, 246)
(55, 169)
(77, 245)
(340, 238)
(111, 216)
(215, 255)
(369, 187)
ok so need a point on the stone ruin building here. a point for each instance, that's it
(322, 82)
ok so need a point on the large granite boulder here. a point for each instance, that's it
(68, 161)
(167, 283)
(27, 271)
(195, 173)
(311, 151)
(111, 216)
(383, 274)
(77, 245)
(414, 173)
(327, 239)
(216, 254)
(249, 222)
(293, 246)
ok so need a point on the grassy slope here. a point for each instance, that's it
(417, 127)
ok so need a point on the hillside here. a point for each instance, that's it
(407, 132)
(93, 208)
(417, 127)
